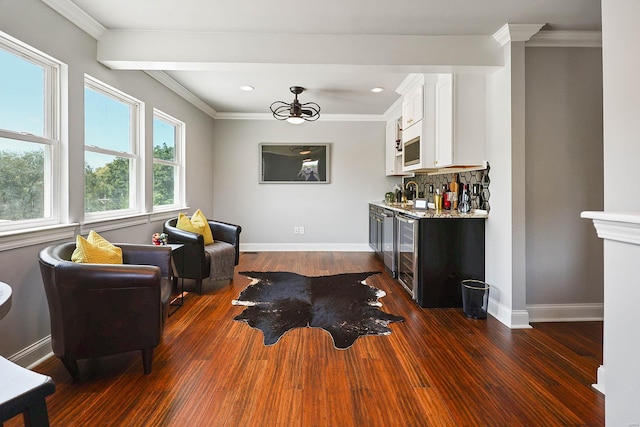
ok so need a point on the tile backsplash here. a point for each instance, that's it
(478, 177)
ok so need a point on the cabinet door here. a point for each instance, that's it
(407, 112)
(379, 242)
(412, 107)
(373, 229)
(393, 157)
(417, 99)
(444, 121)
(469, 94)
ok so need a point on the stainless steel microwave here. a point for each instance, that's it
(411, 147)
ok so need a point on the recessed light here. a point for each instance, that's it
(246, 88)
(377, 89)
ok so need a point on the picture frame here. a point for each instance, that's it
(295, 163)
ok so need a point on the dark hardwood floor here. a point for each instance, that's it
(437, 368)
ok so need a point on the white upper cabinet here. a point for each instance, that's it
(443, 154)
(413, 106)
(452, 129)
(393, 143)
(469, 119)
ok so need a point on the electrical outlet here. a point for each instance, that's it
(296, 230)
(301, 229)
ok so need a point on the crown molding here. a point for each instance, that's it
(618, 226)
(77, 16)
(409, 81)
(395, 110)
(516, 33)
(566, 39)
(170, 83)
(323, 117)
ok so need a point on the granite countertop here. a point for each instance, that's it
(407, 209)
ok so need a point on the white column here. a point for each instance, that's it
(621, 342)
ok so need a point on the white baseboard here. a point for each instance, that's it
(514, 319)
(34, 354)
(566, 312)
(600, 384)
(305, 247)
(520, 319)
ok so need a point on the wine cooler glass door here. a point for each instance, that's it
(408, 253)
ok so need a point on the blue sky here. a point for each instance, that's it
(21, 95)
(107, 122)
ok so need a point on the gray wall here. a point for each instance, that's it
(32, 22)
(334, 215)
(564, 174)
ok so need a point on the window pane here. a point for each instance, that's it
(107, 122)
(164, 140)
(22, 180)
(106, 182)
(163, 184)
(21, 95)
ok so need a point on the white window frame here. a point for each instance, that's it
(136, 172)
(54, 139)
(179, 183)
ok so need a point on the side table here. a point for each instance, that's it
(5, 299)
(21, 391)
(177, 249)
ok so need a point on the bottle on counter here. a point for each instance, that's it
(476, 196)
(454, 189)
(446, 201)
(465, 201)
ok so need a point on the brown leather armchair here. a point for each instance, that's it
(102, 309)
(196, 262)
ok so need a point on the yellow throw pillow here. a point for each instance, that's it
(99, 241)
(95, 249)
(184, 223)
(199, 217)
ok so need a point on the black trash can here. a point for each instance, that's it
(475, 298)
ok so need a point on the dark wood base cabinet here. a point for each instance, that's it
(449, 251)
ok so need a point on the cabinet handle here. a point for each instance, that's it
(403, 219)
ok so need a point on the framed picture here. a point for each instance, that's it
(294, 163)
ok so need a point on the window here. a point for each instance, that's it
(112, 166)
(168, 146)
(30, 111)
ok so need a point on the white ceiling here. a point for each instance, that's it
(338, 88)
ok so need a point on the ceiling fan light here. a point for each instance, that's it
(295, 112)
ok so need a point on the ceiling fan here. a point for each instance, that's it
(295, 112)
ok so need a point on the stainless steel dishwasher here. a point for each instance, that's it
(407, 248)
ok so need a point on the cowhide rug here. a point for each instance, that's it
(342, 304)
